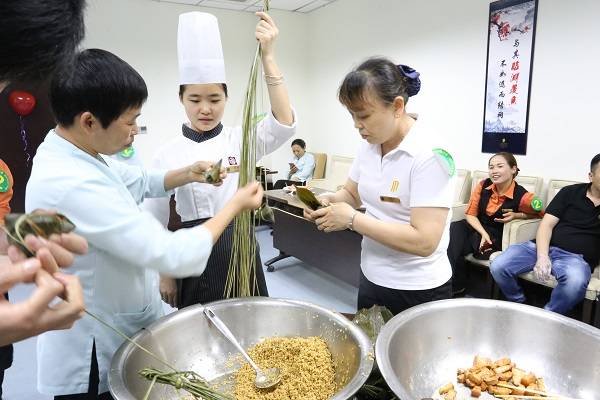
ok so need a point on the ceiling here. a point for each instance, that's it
(302, 6)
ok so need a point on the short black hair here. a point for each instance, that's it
(182, 89)
(300, 143)
(594, 162)
(99, 82)
(38, 36)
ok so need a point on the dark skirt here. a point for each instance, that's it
(210, 286)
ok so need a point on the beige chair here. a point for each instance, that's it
(320, 164)
(526, 230)
(461, 194)
(336, 176)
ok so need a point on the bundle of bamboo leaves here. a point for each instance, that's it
(189, 381)
(241, 277)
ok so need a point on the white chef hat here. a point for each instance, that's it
(199, 50)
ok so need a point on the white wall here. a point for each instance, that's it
(144, 33)
(448, 46)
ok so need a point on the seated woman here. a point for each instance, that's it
(302, 166)
(495, 201)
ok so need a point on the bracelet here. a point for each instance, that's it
(273, 80)
(351, 223)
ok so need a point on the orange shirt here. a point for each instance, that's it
(496, 201)
(6, 190)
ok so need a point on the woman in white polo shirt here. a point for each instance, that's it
(404, 181)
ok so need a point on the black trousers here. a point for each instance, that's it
(210, 286)
(465, 240)
(280, 184)
(370, 294)
(92, 393)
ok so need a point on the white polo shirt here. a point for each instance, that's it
(411, 175)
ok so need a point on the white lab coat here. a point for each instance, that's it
(124, 242)
(196, 200)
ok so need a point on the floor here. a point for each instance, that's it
(292, 279)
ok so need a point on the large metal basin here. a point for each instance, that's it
(420, 349)
(188, 341)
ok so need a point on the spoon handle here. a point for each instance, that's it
(227, 333)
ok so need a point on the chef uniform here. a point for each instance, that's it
(102, 197)
(201, 62)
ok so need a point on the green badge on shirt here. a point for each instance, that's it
(4, 182)
(127, 152)
(446, 160)
(537, 204)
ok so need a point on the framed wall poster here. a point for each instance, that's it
(511, 39)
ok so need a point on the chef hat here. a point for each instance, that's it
(199, 50)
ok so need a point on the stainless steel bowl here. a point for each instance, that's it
(420, 349)
(188, 341)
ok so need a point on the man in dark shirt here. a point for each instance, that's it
(567, 246)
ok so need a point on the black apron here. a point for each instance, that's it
(210, 286)
(493, 228)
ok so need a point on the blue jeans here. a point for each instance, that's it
(570, 270)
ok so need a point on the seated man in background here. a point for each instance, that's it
(302, 166)
(567, 246)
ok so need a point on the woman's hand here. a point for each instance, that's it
(38, 313)
(249, 197)
(335, 217)
(485, 241)
(168, 290)
(313, 215)
(198, 169)
(266, 33)
(509, 216)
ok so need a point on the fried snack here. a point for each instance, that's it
(446, 388)
(493, 376)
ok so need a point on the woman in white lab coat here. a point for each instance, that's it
(203, 94)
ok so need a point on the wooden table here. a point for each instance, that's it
(337, 253)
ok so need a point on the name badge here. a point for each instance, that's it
(389, 199)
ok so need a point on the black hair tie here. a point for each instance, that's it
(413, 83)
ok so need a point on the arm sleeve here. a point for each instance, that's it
(431, 185)
(159, 207)
(140, 182)
(528, 206)
(271, 134)
(559, 203)
(473, 207)
(307, 169)
(133, 235)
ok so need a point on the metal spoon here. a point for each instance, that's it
(264, 379)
